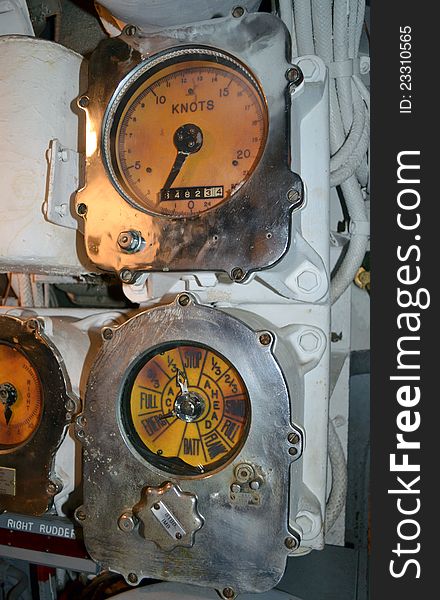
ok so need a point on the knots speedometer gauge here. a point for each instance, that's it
(183, 133)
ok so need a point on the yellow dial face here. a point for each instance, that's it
(21, 398)
(187, 410)
(188, 134)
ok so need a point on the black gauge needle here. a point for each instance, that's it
(188, 139)
(8, 397)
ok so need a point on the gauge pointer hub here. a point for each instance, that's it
(188, 139)
(8, 397)
(188, 406)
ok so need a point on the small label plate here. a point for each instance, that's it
(167, 520)
(7, 481)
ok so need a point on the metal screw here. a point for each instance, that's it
(126, 522)
(130, 241)
(33, 324)
(70, 405)
(293, 196)
(293, 438)
(81, 421)
(265, 339)
(293, 451)
(132, 578)
(184, 300)
(107, 333)
(178, 536)
(235, 488)
(254, 485)
(291, 543)
(81, 209)
(228, 592)
(84, 101)
(237, 274)
(238, 12)
(52, 488)
(294, 74)
(80, 515)
(130, 30)
(156, 506)
(126, 276)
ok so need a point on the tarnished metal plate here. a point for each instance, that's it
(7, 481)
(250, 231)
(32, 462)
(245, 541)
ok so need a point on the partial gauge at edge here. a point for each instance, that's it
(184, 132)
(21, 398)
(185, 409)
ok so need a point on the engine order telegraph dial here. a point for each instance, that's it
(21, 398)
(186, 409)
(183, 135)
(187, 419)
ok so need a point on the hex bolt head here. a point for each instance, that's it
(305, 522)
(130, 241)
(126, 522)
(308, 67)
(309, 341)
(244, 473)
(307, 281)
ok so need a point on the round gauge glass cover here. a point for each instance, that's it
(185, 132)
(185, 409)
(21, 398)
